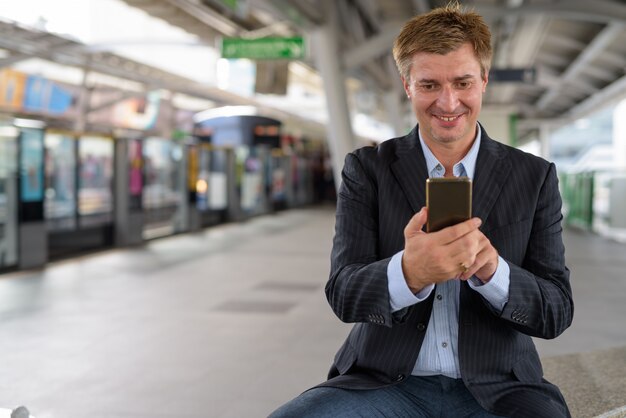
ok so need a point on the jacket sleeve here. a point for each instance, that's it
(540, 297)
(357, 289)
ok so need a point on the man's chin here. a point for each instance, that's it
(449, 137)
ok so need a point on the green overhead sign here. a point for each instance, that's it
(230, 3)
(264, 48)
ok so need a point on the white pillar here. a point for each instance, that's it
(619, 135)
(325, 40)
(84, 100)
(617, 195)
(394, 112)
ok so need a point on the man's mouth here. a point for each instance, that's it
(448, 118)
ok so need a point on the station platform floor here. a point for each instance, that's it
(232, 321)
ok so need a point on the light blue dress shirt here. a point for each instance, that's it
(439, 353)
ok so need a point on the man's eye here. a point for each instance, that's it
(428, 87)
(463, 84)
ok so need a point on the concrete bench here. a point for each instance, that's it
(593, 383)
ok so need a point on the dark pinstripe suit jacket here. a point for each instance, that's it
(516, 195)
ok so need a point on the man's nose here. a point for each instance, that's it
(448, 99)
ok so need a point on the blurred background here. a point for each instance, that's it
(168, 174)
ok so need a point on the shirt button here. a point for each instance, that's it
(439, 297)
(444, 344)
(421, 327)
(400, 378)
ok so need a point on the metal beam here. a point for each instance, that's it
(600, 73)
(552, 60)
(366, 9)
(312, 13)
(208, 17)
(593, 50)
(613, 92)
(372, 48)
(599, 11)
(13, 59)
(564, 42)
(350, 21)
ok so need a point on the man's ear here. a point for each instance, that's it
(485, 81)
(406, 87)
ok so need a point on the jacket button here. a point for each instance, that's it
(421, 327)
(400, 378)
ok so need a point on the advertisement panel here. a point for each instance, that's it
(31, 164)
(95, 194)
(45, 96)
(12, 86)
(60, 177)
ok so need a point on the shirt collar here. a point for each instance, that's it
(466, 166)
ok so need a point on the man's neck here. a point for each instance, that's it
(450, 154)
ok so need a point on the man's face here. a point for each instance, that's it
(446, 94)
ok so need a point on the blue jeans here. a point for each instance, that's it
(417, 396)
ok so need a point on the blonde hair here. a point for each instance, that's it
(441, 31)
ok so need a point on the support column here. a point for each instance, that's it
(84, 100)
(394, 112)
(619, 135)
(617, 196)
(128, 220)
(324, 42)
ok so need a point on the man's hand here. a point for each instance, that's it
(458, 251)
(485, 262)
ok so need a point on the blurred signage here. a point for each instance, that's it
(138, 112)
(31, 163)
(263, 48)
(230, 3)
(34, 93)
(512, 75)
(12, 85)
(43, 95)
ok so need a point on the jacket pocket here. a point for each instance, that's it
(527, 371)
(345, 359)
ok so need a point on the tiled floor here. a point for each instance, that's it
(227, 323)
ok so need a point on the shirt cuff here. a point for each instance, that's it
(400, 296)
(496, 290)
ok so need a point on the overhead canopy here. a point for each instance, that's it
(577, 48)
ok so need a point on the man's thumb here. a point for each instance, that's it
(416, 223)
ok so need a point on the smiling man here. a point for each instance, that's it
(444, 320)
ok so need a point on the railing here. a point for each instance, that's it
(578, 191)
(595, 201)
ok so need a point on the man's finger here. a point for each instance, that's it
(416, 223)
(454, 232)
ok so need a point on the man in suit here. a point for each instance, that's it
(444, 320)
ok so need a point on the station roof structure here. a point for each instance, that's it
(575, 49)
(571, 53)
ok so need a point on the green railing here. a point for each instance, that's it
(577, 190)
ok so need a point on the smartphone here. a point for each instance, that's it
(449, 201)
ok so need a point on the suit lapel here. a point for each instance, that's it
(410, 171)
(492, 170)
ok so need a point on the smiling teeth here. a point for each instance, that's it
(447, 119)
